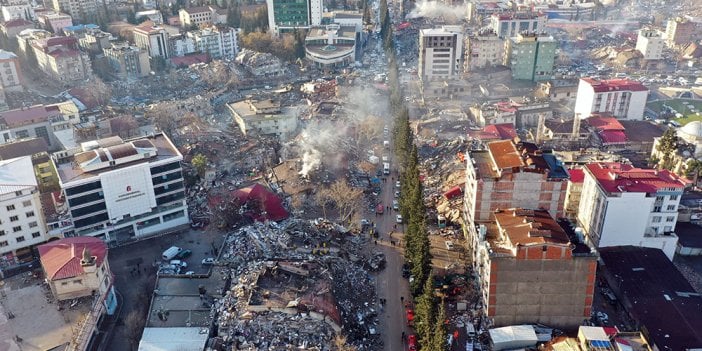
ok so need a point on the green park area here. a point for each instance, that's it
(690, 109)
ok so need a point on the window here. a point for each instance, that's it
(64, 283)
(18, 193)
(78, 281)
(656, 219)
(673, 197)
(10, 207)
(30, 214)
(26, 203)
(16, 229)
(2, 232)
(14, 218)
(20, 239)
(671, 208)
(669, 218)
(657, 209)
(32, 224)
(3, 243)
(36, 235)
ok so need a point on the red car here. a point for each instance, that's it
(412, 342)
(410, 317)
(380, 209)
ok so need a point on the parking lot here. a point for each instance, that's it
(134, 268)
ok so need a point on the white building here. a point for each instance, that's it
(83, 11)
(286, 16)
(622, 205)
(21, 218)
(622, 98)
(17, 11)
(202, 16)
(484, 49)
(264, 117)
(650, 43)
(331, 46)
(117, 190)
(440, 52)
(10, 72)
(181, 45)
(508, 25)
(154, 39)
(218, 42)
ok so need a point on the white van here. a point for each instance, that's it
(386, 168)
(470, 330)
(170, 253)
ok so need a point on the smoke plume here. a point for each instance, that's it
(436, 9)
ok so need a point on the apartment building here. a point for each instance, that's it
(286, 16)
(650, 43)
(573, 192)
(484, 49)
(120, 189)
(21, 221)
(154, 39)
(331, 46)
(530, 271)
(623, 205)
(216, 41)
(621, 98)
(129, 62)
(55, 21)
(60, 58)
(509, 25)
(13, 10)
(181, 45)
(531, 56)
(83, 11)
(10, 72)
(509, 174)
(440, 53)
(94, 40)
(681, 31)
(13, 27)
(202, 16)
(264, 117)
(31, 122)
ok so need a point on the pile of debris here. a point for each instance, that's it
(295, 284)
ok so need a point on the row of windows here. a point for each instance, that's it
(77, 201)
(19, 239)
(168, 187)
(83, 188)
(166, 178)
(75, 213)
(657, 219)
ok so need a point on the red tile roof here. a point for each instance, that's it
(616, 177)
(605, 123)
(612, 137)
(505, 154)
(601, 86)
(577, 175)
(504, 131)
(61, 258)
(528, 227)
(28, 115)
(19, 22)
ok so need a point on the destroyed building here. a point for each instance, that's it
(264, 117)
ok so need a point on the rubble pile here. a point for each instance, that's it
(295, 284)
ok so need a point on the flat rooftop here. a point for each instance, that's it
(71, 171)
(530, 227)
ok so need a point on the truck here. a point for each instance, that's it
(386, 168)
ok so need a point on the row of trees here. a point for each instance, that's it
(287, 47)
(430, 315)
(667, 148)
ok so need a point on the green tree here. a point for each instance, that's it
(667, 146)
(425, 314)
(438, 338)
(234, 15)
(693, 169)
(131, 17)
(199, 162)
(299, 46)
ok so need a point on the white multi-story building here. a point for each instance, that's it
(286, 16)
(218, 42)
(484, 49)
(10, 73)
(440, 52)
(508, 25)
(83, 11)
(202, 16)
(264, 117)
(331, 46)
(622, 205)
(128, 61)
(650, 43)
(17, 10)
(154, 39)
(120, 189)
(181, 45)
(21, 218)
(622, 98)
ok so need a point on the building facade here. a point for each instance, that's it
(509, 25)
(117, 190)
(265, 117)
(622, 98)
(623, 205)
(181, 45)
(650, 43)
(440, 53)
(288, 15)
(530, 272)
(83, 11)
(202, 16)
(331, 46)
(22, 223)
(484, 49)
(128, 61)
(10, 72)
(218, 42)
(18, 10)
(681, 31)
(154, 39)
(531, 56)
(509, 175)
(60, 58)
(55, 22)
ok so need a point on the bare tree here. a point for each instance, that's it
(323, 199)
(346, 198)
(367, 130)
(340, 344)
(228, 213)
(98, 91)
(134, 324)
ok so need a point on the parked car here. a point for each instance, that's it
(395, 205)
(412, 342)
(208, 261)
(410, 317)
(183, 254)
(179, 263)
(398, 218)
(449, 245)
(397, 184)
(406, 270)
